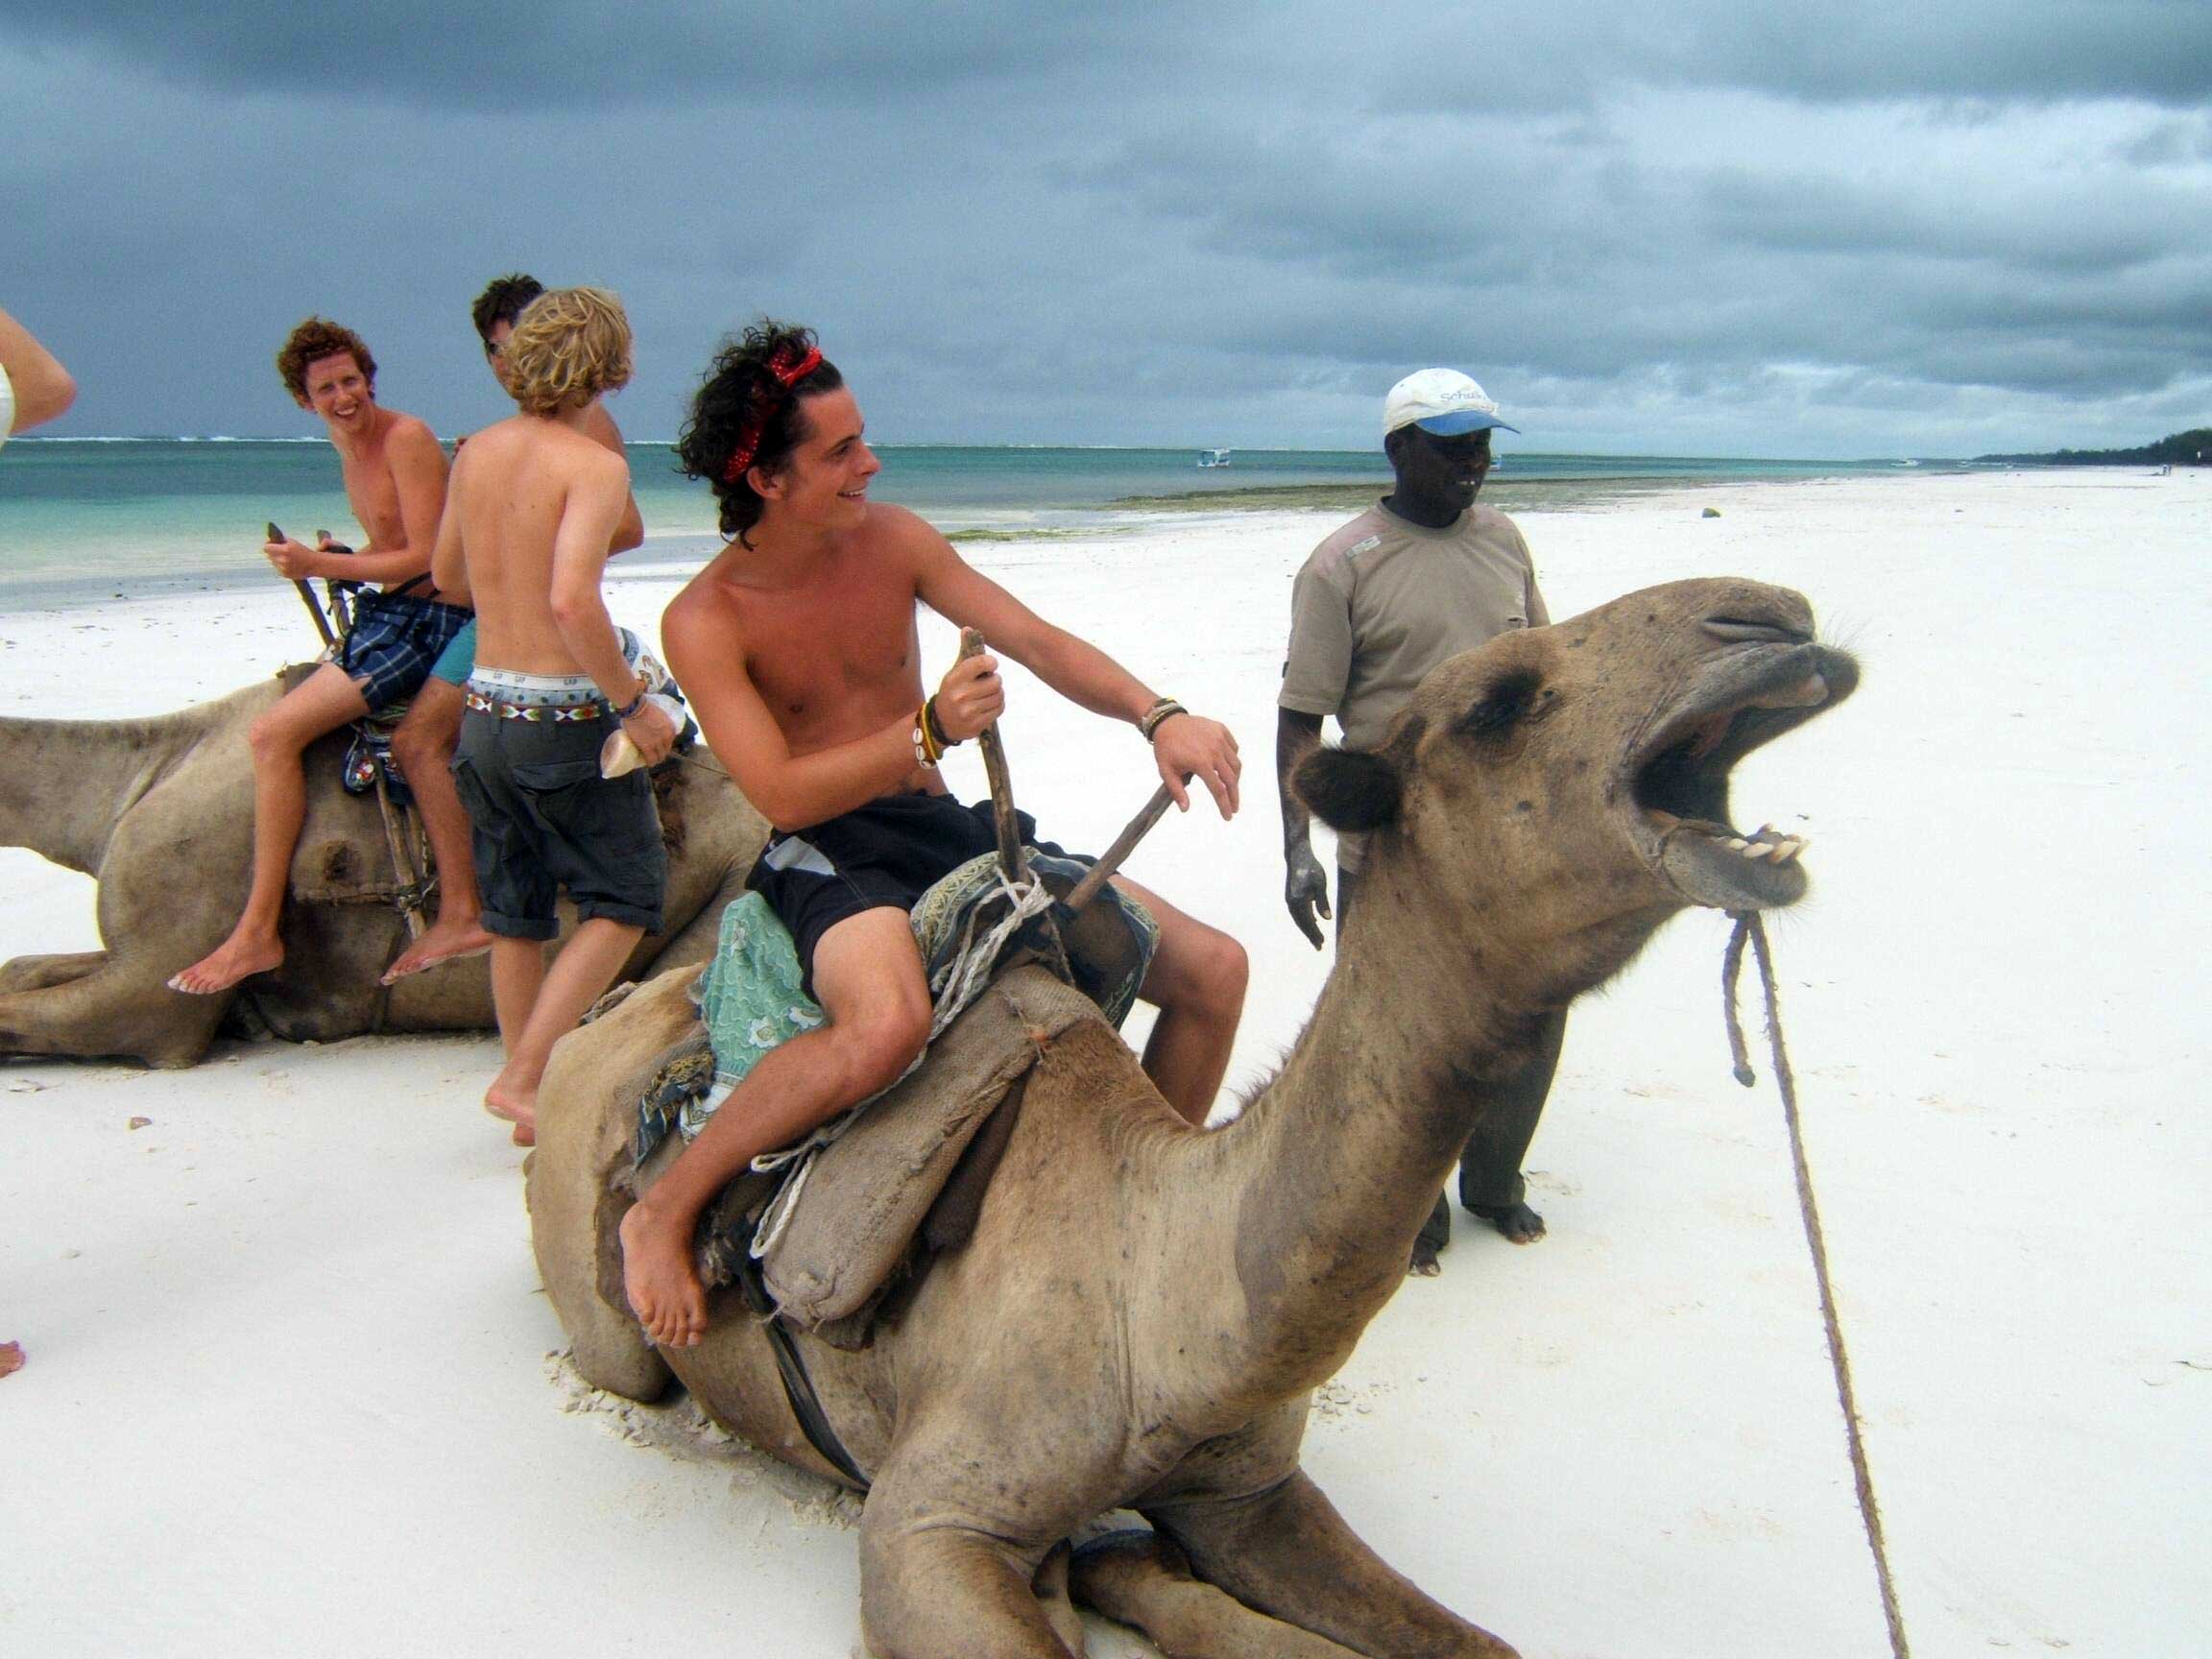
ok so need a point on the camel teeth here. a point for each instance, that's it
(1758, 850)
(1736, 844)
(1787, 852)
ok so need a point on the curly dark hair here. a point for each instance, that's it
(314, 339)
(742, 397)
(503, 300)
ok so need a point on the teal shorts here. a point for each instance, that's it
(458, 660)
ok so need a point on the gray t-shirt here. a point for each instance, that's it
(1383, 601)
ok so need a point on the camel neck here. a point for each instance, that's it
(63, 783)
(1344, 1154)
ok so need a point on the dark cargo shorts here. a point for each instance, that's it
(541, 818)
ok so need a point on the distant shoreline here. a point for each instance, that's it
(1526, 493)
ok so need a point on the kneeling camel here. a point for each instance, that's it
(161, 812)
(1142, 1308)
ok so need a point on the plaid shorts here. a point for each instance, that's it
(395, 638)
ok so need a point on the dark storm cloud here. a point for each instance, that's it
(2039, 51)
(507, 54)
(513, 55)
(2080, 228)
(1643, 224)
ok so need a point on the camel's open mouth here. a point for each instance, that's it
(1776, 680)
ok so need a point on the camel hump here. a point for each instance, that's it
(871, 1189)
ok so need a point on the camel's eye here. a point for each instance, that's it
(1504, 703)
(1749, 630)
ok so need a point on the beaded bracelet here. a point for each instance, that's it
(635, 704)
(1159, 714)
(921, 735)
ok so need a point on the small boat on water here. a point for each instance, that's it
(1214, 457)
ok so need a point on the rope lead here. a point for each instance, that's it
(1748, 927)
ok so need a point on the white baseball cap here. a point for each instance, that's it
(1440, 401)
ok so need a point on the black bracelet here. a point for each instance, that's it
(631, 708)
(936, 726)
(1158, 715)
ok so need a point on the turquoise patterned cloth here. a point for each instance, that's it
(750, 999)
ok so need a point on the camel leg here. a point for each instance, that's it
(933, 1587)
(1139, 1578)
(575, 1181)
(1287, 1551)
(112, 1010)
(1051, 1588)
(44, 973)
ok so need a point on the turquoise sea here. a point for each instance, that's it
(84, 519)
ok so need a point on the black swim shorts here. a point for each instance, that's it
(541, 818)
(886, 853)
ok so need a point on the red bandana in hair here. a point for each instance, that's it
(787, 374)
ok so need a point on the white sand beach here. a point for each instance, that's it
(291, 1386)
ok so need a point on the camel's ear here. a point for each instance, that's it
(1348, 790)
(1503, 706)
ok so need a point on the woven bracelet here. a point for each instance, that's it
(1158, 715)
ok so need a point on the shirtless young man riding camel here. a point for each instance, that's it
(394, 476)
(799, 651)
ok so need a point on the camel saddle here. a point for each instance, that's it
(905, 1181)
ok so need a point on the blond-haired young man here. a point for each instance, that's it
(532, 508)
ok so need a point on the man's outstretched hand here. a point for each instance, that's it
(1189, 746)
(1306, 890)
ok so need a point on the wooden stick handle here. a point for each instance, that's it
(313, 609)
(1010, 856)
(403, 866)
(1125, 844)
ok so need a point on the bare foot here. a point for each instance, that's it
(516, 1106)
(446, 942)
(237, 958)
(659, 1279)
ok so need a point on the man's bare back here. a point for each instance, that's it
(523, 491)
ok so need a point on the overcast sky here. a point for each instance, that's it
(1684, 227)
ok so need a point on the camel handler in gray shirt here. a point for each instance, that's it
(1423, 575)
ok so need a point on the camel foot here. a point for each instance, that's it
(659, 1279)
(232, 960)
(446, 942)
(1519, 1223)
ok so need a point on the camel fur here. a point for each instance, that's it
(1143, 1308)
(160, 812)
